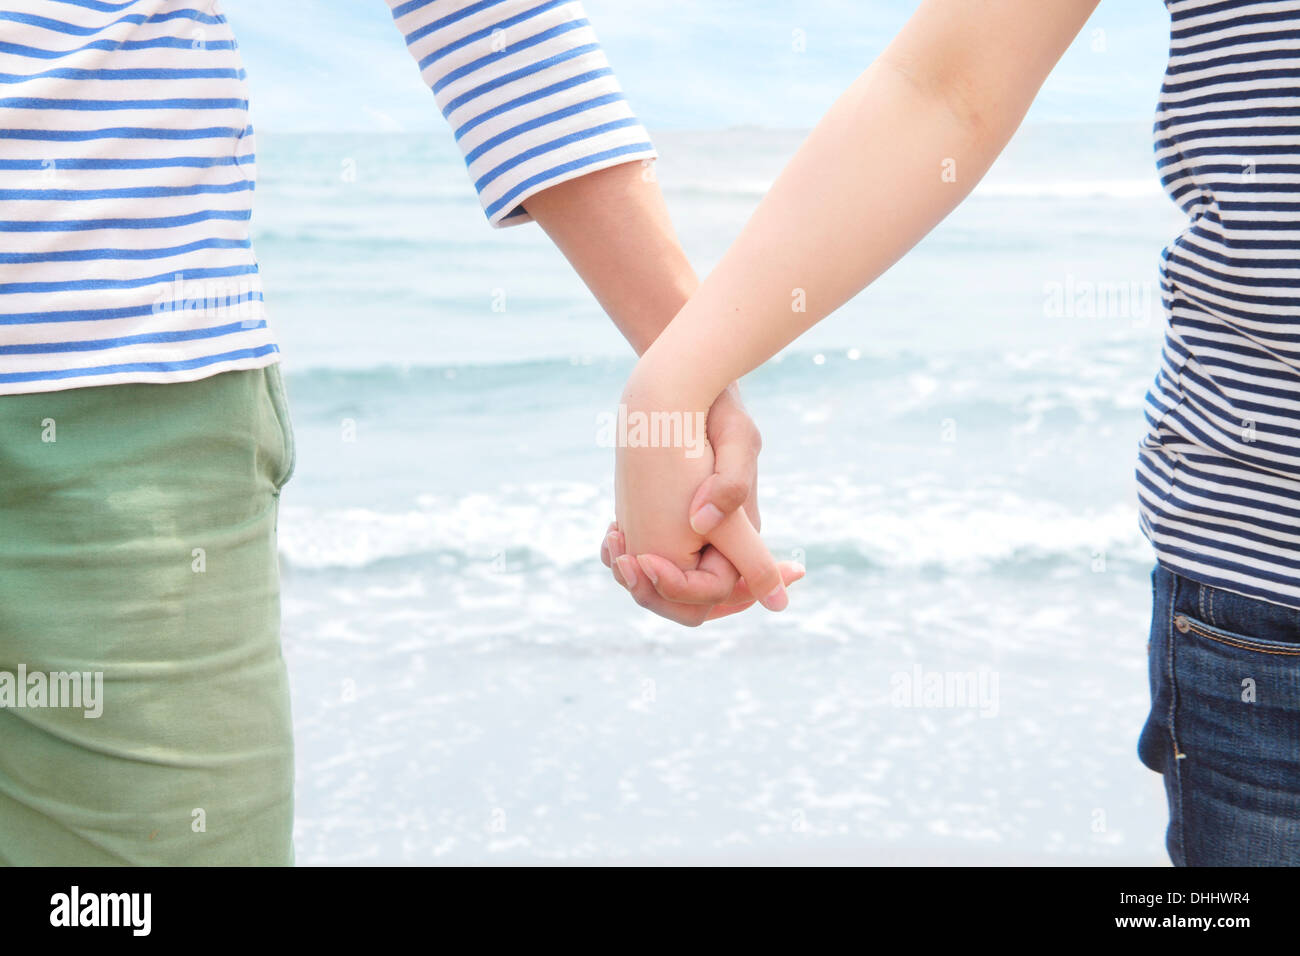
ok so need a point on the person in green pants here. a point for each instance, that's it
(144, 437)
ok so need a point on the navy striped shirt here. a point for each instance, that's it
(1219, 468)
(127, 169)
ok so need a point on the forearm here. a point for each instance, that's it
(614, 229)
(850, 204)
(899, 150)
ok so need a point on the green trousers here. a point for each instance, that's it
(138, 550)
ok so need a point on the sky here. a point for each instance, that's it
(319, 65)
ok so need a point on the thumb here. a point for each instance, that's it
(727, 489)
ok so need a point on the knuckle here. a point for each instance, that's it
(670, 593)
(717, 596)
(719, 591)
(688, 592)
(729, 492)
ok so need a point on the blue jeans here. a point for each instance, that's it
(1224, 727)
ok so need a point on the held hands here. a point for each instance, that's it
(686, 530)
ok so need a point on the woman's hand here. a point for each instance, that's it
(689, 601)
(665, 475)
(671, 593)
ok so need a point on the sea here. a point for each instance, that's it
(960, 678)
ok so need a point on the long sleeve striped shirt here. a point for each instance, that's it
(128, 164)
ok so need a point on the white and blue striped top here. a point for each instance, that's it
(127, 168)
(1219, 468)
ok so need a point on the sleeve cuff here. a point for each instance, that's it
(528, 92)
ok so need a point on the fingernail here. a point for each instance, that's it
(706, 519)
(799, 571)
(627, 571)
(647, 568)
(778, 600)
(610, 541)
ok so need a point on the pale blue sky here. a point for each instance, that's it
(685, 64)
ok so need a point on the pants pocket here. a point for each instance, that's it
(280, 403)
(1235, 721)
(1187, 625)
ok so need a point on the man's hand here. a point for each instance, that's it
(734, 482)
(672, 581)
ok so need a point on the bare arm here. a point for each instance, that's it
(614, 229)
(899, 151)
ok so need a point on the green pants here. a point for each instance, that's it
(138, 543)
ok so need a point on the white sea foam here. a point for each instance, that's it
(561, 525)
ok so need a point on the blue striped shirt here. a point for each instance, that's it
(1219, 467)
(127, 169)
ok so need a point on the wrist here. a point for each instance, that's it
(665, 381)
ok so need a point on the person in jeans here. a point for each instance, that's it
(144, 430)
(1219, 468)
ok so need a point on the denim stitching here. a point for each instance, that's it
(1242, 644)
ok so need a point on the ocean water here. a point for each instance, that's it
(960, 677)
